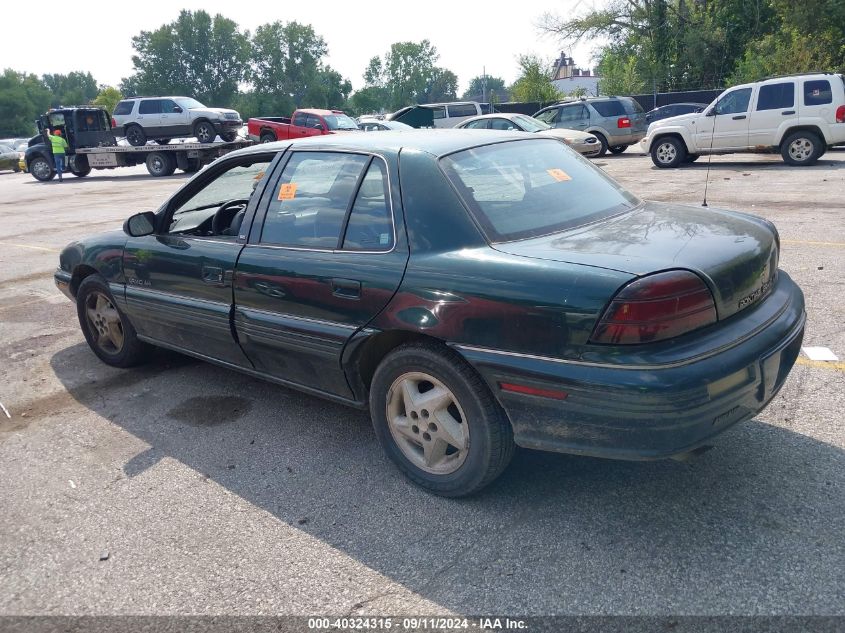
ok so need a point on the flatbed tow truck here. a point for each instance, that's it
(92, 144)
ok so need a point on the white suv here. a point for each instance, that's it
(161, 118)
(800, 116)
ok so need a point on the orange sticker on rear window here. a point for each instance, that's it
(287, 191)
(559, 174)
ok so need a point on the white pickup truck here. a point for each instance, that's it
(799, 116)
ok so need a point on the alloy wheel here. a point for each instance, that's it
(427, 423)
(104, 321)
(801, 149)
(666, 152)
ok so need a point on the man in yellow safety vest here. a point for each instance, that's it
(59, 146)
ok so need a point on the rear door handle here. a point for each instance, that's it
(786, 112)
(346, 288)
(739, 117)
(212, 275)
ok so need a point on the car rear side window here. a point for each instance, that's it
(522, 189)
(123, 108)
(462, 109)
(609, 108)
(150, 106)
(439, 112)
(299, 119)
(370, 225)
(310, 199)
(817, 92)
(776, 96)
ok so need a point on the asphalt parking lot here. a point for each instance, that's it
(180, 487)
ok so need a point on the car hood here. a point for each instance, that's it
(736, 254)
(576, 136)
(220, 113)
(675, 120)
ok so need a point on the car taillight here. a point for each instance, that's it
(623, 121)
(113, 122)
(656, 307)
(840, 114)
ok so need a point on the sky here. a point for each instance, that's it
(469, 36)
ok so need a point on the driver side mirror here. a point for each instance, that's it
(140, 224)
(177, 109)
(711, 112)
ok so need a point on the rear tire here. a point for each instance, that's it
(668, 152)
(162, 141)
(135, 135)
(160, 164)
(617, 149)
(267, 137)
(41, 169)
(453, 444)
(193, 165)
(603, 142)
(205, 132)
(801, 148)
(107, 330)
(79, 166)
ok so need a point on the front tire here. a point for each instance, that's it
(668, 152)
(801, 149)
(107, 330)
(229, 136)
(691, 158)
(205, 132)
(135, 136)
(437, 420)
(41, 169)
(160, 164)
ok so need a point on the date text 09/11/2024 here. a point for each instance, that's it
(416, 624)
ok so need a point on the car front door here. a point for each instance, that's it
(179, 280)
(775, 103)
(175, 120)
(726, 124)
(325, 255)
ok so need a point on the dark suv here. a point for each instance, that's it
(616, 122)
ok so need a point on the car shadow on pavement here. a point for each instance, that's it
(70, 178)
(753, 526)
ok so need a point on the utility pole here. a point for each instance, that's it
(484, 84)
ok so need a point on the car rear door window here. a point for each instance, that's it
(817, 92)
(776, 96)
(370, 224)
(439, 112)
(480, 124)
(150, 106)
(310, 199)
(299, 119)
(502, 124)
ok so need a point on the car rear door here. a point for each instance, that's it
(774, 104)
(149, 116)
(325, 255)
(179, 280)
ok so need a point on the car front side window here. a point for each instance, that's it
(735, 102)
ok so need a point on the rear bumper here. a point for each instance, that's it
(228, 125)
(647, 412)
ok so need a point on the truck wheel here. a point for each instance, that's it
(268, 137)
(79, 166)
(437, 420)
(617, 149)
(192, 165)
(160, 164)
(668, 152)
(162, 141)
(204, 132)
(229, 136)
(603, 142)
(801, 148)
(691, 158)
(135, 135)
(41, 169)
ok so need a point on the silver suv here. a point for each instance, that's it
(616, 122)
(140, 119)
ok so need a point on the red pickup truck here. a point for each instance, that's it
(308, 122)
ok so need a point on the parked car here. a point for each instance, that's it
(616, 122)
(9, 158)
(303, 122)
(160, 119)
(480, 292)
(381, 125)
(799, 116)
(582, 142)
(673, 109)
(439, 115)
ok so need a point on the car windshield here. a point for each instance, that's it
(522, 189)
(530, 124)
(340, 122)
(189, 103)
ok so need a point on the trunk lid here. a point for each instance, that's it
(735, 254)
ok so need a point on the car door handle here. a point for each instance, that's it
(346, 288)
(787, 112)
(739, 117)
(212, 274)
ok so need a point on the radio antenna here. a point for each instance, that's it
(710, 153)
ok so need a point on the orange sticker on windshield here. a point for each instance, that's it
(287, 191)
(559, 174)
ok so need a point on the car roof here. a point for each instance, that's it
(437, 142)
(495, 115)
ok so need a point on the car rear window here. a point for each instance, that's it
(522, 189)
(817, 92)
(124, 107)
(632, 106)
(609, 108)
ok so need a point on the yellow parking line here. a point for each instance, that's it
(812, 243)
(820, 363)
(35, 248)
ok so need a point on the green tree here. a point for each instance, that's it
(107, 98)
(534, 82)
(196, 55)
(23, 98)
(619, 75)
(75, 88)
(476, 86)
(442, 86)
(372, 100)
(408, 74)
